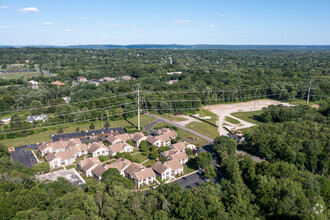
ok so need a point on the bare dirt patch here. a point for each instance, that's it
(225, 110)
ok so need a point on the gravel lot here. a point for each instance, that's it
(224, 110)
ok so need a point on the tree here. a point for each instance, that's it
(107, 124)
(60, 130)
(102, 158)
(42, 167)
(77, 129)
(153, 154)
(109, 174)
(224, 144)
(162, 159)
(92, 126)
(36, 107)
(210, 172)
(204, 159)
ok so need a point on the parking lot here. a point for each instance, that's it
(71, 175)
(82, 134)
(24, 156)
(192, 180)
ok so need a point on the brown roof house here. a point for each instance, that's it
(98, 171)
(165, 140)
(175, 166)
(97, 149)
(153, 141)
(113, 140)
(62, 158)
(182, 157)
(162, 171)
(144, 176)
(133, 167)
(57, 83)
(121, 165)
(59, 146)
(87, 165)
(121, 148)
(137, 138)
(168, 132)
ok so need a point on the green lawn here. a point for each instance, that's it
(173, 118)
(187, 170)
(70, 167)
(204, 128)
(139, 158)
(248, 116)
(184, 134)
(19, 75)
(204, 112)
(149, 163)
(232, 120)
(45, 135)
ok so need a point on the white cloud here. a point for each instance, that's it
(129, 25)
(4, 27)
(47, 23)
(211, 25)
(82, 18)
(29, 9)
(4, 7)
(237, 26)
(221, 15)
(180, 21)
(69, 30)
(114, 25)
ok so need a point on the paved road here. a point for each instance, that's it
(21, 156)
(206, 138)
(150, 125)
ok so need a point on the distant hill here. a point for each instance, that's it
(188, 47)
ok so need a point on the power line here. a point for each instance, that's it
(211, 91)
(31, 129)
(73, 103)
(220, 98)
(168, 109)
(95, 109)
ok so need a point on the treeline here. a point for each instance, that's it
(299, 135)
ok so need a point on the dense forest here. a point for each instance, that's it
(208, 77)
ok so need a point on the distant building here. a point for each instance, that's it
(34, 84)
(34, 118)
(16, 65)
(82, 79)
(67, 99)
(57, 83)
(172, 81)
(6, 120)
(172, 73)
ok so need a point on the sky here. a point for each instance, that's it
(234, 22)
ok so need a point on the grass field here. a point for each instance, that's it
(139, 158)
(149, 163)
(232, 120)
(45, 135)
(187, 170)
(204, 112)
(248, 116)
(173, 118)
(19, 75)
(184, 134)
(204, 128)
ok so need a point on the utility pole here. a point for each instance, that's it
(309, 89)
(107, 115)
(138, 98)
